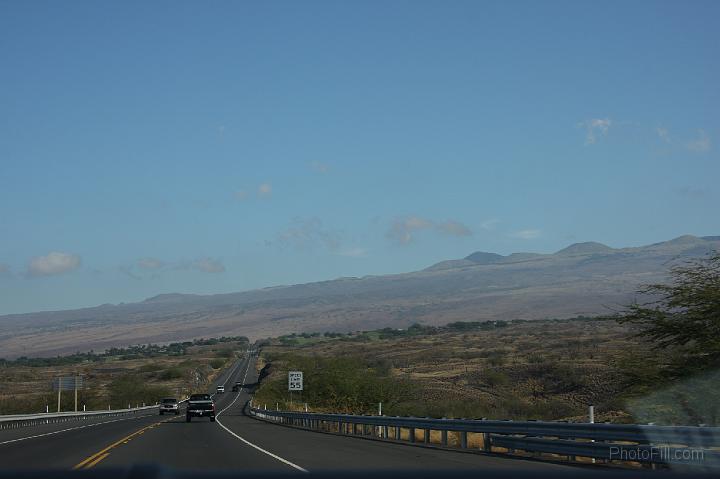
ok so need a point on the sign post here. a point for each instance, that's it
(295, 382)
(67, 383)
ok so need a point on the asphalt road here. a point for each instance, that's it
(234, 441)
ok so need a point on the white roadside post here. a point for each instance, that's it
(379, 429)
(591, 417)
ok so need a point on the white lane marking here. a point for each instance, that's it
(228, 377)
(274, 456)
(91, 425)
(237, 365)
(70, 429)
(247, 368)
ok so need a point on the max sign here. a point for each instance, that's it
(295, 381)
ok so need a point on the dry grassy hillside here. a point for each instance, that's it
(583, 279)
(117, 378)
(546, 369)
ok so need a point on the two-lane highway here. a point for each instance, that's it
(234, 441)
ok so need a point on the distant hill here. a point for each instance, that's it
(484, 258)
(590, 247)
(582, 279)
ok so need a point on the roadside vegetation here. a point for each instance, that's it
(678, 379)
(546, 369)
(117, 377)
(656, 362)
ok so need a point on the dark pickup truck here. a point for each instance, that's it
(200, 405)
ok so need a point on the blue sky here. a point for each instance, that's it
(203, 147)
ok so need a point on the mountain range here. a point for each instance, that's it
(583, 279)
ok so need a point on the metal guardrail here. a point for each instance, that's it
(687, 445)
(14, 421)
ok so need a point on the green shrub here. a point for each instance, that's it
(495, 378)
(132, 389)
(171, 373)
(337, 384)
(149, 368)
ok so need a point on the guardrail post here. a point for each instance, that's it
(591, 418)
(412, 434)
(463, 439)
(443, 438)
(397, 433)
(427, 436)
(487, 447)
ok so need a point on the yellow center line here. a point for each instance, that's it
(96, 460)
(100, 455)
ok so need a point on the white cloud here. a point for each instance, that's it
(307, 233)
(664, 134)
(526, 234)
(52, 264)
(454, 228)
(402, 230)
(319, 166)
(153, 267)
(489, 225)
(209, 265)
(150, 263)
(701, 145)
(265, 190)
(595, 127)
(692, 192)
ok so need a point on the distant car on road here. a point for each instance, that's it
(236, 387)
(200, 405)
(169, 405)
(220, 389)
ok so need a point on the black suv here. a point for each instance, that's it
(200, 405)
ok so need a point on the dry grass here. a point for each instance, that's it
(543, 369)
(29, 388)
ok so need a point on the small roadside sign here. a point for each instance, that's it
(68, 383)
(295, 381)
